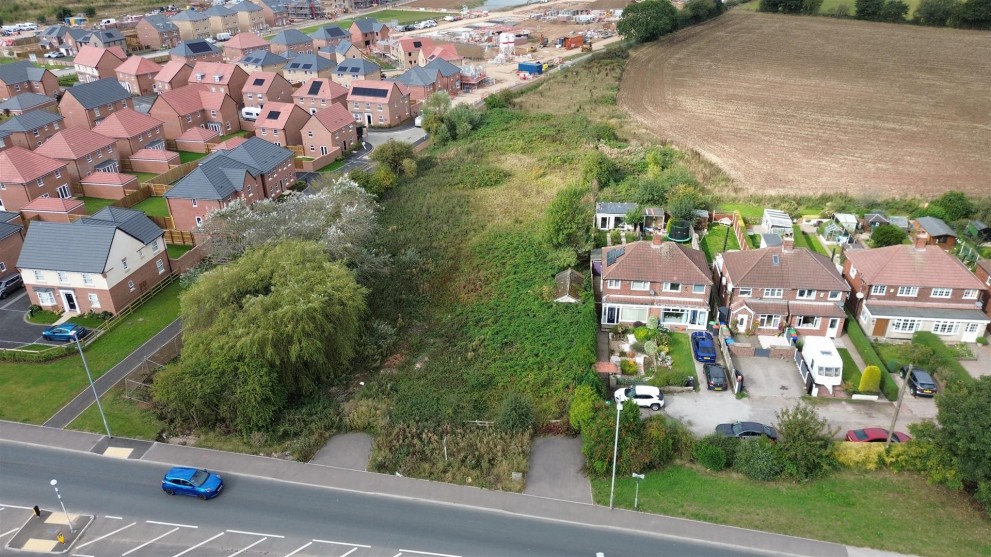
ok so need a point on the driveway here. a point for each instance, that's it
(407, 132)
(556, 465)
(346, 450)
(14, 331)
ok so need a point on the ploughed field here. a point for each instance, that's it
(808, 105)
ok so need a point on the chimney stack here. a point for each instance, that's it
(655, 241)
(787, 243)
(921, 239)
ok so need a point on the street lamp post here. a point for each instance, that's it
(66, 513)
(615, 450)
(92, 386)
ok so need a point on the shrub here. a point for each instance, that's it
(366, 415)
(944, 362)
(516, 414)
(759, 459)
(643, 333)
(983, 341)
(870, 356)
(584, 404)
(870, 380)
(859, 456)
(806, 446)
(628, 367)
(715, 452)
(983, 496)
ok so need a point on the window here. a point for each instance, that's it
(130, 285)
(972, 327)
(698, 289)
(123, 263)
(946, 327)
(58, 173)
(275, 132)
(63, 191)
(878, 289)
(613, 284)
(40, 182)
(632, 315)
(910, 291)
(639, 285)
(213, 113)
(264, 131)
(87, 278)
(110, 149)
(745, 292)
(773, 292)
(199, 221)
(970, 294)
(45, 297)
(672, 287)
(189, 118)
(906, 325)
(154, 246)
(63, 277)
(39, 276)
(835, 294)
(96, 111)
(769, 321)
(94, 300)
(228, 125)
(942, 292)
(89, 157)
(313, 148)
(3, 266)
(141, 253)
(323, 150)
(195, 202)
(807, 322)
(160, 266)
(804, 294)
(37, 132)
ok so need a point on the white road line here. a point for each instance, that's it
(247, 548)
(204, 542)
(107, 535)
(256, 534)
(171, 524)
(149, 542)
(295, 551)
(343, 543)
(16, 507)
(353, 549)
(81, 555)
(5, 534)
(113, 517)
(401, 551)
(14, 300)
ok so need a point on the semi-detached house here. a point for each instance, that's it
(26, 175)
(83, 151)
(85, 105)
(33, 129)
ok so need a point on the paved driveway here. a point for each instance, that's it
(346, 450)
(556, 465)
(14, 331)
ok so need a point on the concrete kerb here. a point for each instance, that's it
(423, 490)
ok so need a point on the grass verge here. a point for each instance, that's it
(125, 417)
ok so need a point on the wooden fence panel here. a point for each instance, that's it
(179, 237)
(133, 198)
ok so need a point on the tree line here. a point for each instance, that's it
(963, 14)
(652, 19)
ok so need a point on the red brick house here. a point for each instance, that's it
(407, 50)
(281, 123)
(221, 78)
(438, 75)
(194, 106)
(356, 69)
(770, 289)
(137, 75)
(898, 290)
(291, 42)
(328, 35)
(11, 241)
(263, 87)
(24, 77)
(446, 51)
(174, 74)
(329, 129)
(983, 273)
(243, 43)
(26, 175)
(119, 255)
(54, 209)
(33, 129)
(132, 131)
(85, 105)
(196, 50)
(94, 63)
(83, 151)
(317, 94)
(938, 233)
(156, 32)
(379, 104)
(27, 102)
(365, 32)
(274, 12)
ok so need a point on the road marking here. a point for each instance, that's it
(149, 542)
(199, 544)
(171, 524)
(401, 551)
(107, 535)
(14, 300)
(353, 549)
(342, 543)
(5, 534)
(295, 551)
(113, 517)
(256, 534)
(249, 547)
(16, 507)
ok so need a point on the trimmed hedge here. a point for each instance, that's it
(870, 356)
(946, 365)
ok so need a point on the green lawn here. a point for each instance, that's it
(682, 361)
(153, 206)
(332, 166)
(851, 372)
(810, 241)
(751, 213)
(856, 508)
(187, 156)
(177, 251)
(144, 176)
(44, 317)
(33, 392)
(714, 240)
(241, 133)
(94, 204)
(125, 417)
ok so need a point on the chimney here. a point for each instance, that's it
(787, 243)
(921, 239)
(655, 241)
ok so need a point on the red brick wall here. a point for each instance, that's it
(280, 179)
(157, 167)
(80, 168)
(184, 214)
(10, 249)
(78, 117)
(28, 139)
(16, 196)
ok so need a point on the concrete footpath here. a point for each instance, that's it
(408, 488)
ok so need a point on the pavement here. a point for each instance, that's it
(347, 450)
(556, 470)
(982, 365)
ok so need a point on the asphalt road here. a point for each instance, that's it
(14, 331)
(277, 518)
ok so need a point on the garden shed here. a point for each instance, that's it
(610, 215)
(979, 231)
(847, 221)
(776, 222)
(568, 286)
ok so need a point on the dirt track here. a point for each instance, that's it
(817, 105)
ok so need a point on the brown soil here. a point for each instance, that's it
(817, 105)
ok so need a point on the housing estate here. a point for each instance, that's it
(329, 129)
(281, 123)
(192, 25)
(250, 17)
(379, 103)
(365, 32)
(11, 240)
(243, 43)
(196, 50)
(221, 78)
(26, 175)
(195, 106)
(356, 69)
(156, 32)
(85, 105)
(32, 129)
(26, 102)
(93, 63)
(24, 77)
(137, 75)
(263, 87)
(83, 151)
(307, 66)
(291, 42)
(262, 61)
(174, 74)
(438, 75)
(221, 19)
(316, 94)
(274, 12)
(328, 35)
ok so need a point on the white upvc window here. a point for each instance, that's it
(672, 287)
(942, 292)
(906, 325)
(805, 294)
(45, 297)
(745, 292)
(130, 285)
(154, 246)
(698, 289)
(970, 294)
(807, 322)
(835, 294)
(878, 289)
(63, 277)
(195, 202)
(910, 291)
(123, 263)
(613, 284)
(972, 327)
(87, 279)
(94, 300)
(769, 321)
(160, 266)
(39, 276)
(639, 285)
(773, 292)
(946, 327)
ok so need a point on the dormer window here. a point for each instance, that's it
(199, 77)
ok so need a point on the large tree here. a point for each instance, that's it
(259, 333)
(965, 424)
(648, 20)
(887, 235)
(934, 12)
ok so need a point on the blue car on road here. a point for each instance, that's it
(703, 347)
(195, 482)
(66, 331)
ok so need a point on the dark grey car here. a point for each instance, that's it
(9, 284)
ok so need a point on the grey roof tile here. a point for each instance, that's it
(30, 121)
(161, 23)
(194, 47)
(418, 77)
(262, 58)
(358, 66)
(260, 154)
(445, 68)
(24, 101)
(215, 178)
(131, 221)
(935, 226)
(66, 247)
(102, 91)
(290, 37)
(316, 63)
(19, 72)
(8, 229)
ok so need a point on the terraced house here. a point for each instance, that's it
(100, 263)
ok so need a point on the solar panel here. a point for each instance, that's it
(273, 115)
(314, 88)
(307, 66)
(198, 47)
(614, 255)
(294, 65)
(259, 81)
(369, 92)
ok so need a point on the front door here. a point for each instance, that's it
(69, 300)
(834, 327)
(611, 316)
(368, 118)
(741, 323)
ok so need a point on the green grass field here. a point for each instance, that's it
(177, 251)
(94, 204)
(124, 416)
(830, 7)
(401, 17)
(154, 206)
(187, 156)
(716, 238)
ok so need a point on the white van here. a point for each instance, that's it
(418, 121)
(108, 21)
(250, 113)
(221, 37)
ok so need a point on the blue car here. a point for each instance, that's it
(66, 332)
(194, 482)
(703, 347)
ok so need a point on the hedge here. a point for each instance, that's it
(870, 356)
(947, 367)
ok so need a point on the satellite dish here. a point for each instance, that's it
(860, 295)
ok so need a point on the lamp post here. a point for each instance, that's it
(636, 494)
(59, 495)
(89, 376)
(615, 450)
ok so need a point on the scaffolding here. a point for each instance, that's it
(305, 9)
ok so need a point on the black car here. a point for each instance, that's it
(10, 283)
(715, 377)
(920, 382)
(747, 430)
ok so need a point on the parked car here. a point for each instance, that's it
(875, 435)
(66, 332)
(920, 382)
(715, 377)
(703, 347)
(9, 284)
(54, 54)
(645, 396)
(747, 430)
(194, 482)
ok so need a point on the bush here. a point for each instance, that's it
(759, 459)
(944, 362)
(584, 404)
(709, 452)
(870, 380)
(516, 414)
(870, 356)
(628, 367)
(806, 446)
(983, 341)
(859, 456)
(643, 334)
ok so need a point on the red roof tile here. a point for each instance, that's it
(906, 265)
(328, 90)
(20, 166)
(795, 268)
(138, 65)
(73, 143)
(109, 179)
(186, 99)
(669, 262)
(213, 73)
(54, 205)
(230, 143)
(333, 117)
(246, 41)
(126, 123)
(389, 86)
(154, 155)
(267, 79)
(170, 70)
(90, 56)
(198, 134)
